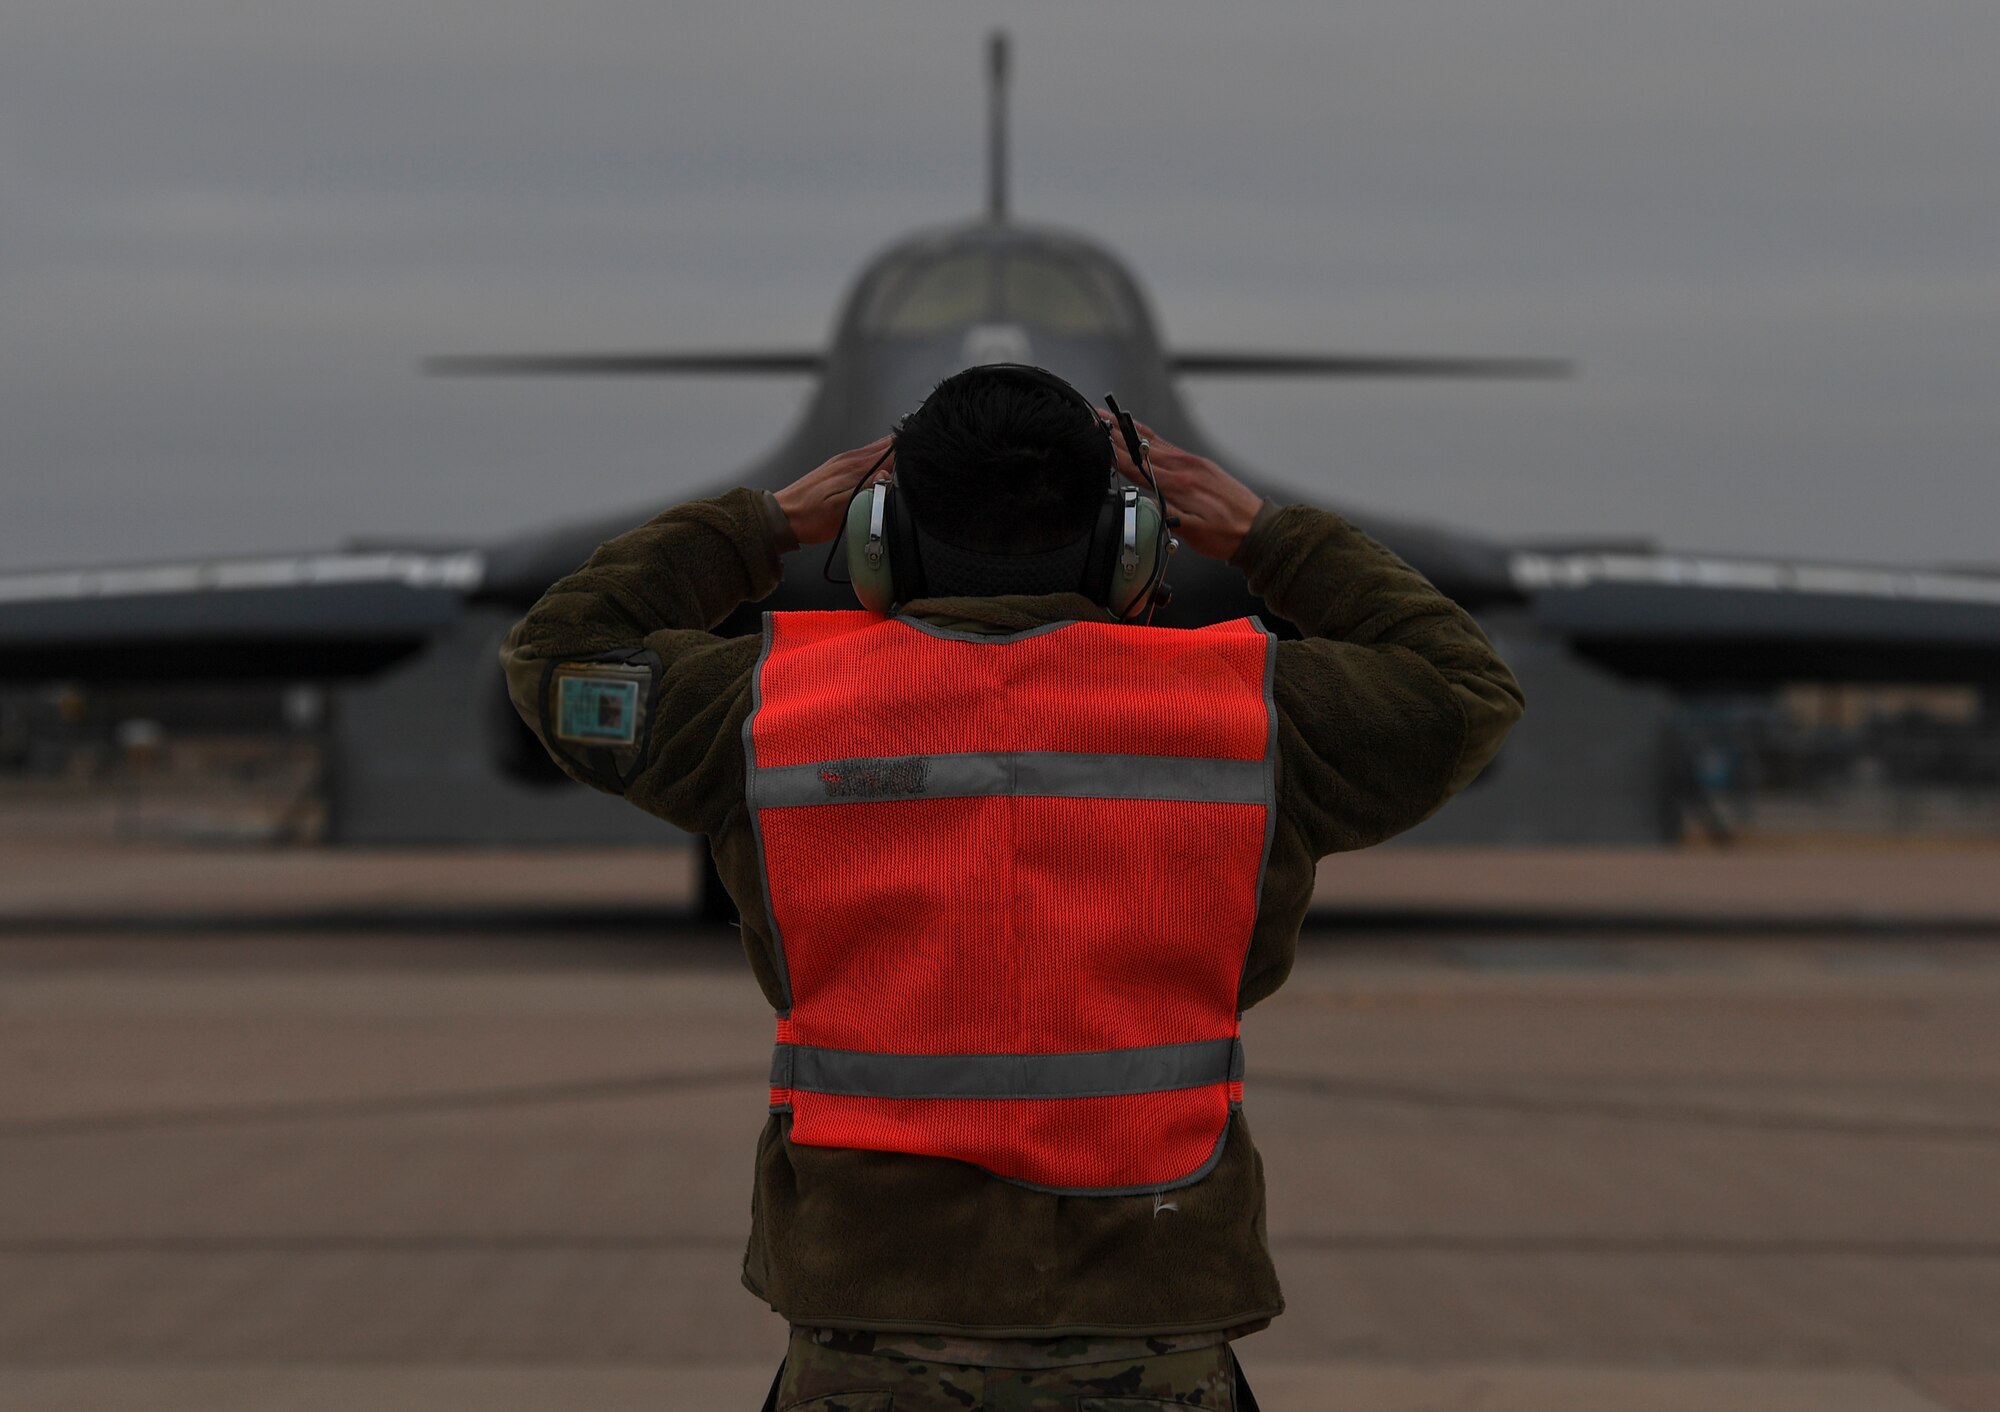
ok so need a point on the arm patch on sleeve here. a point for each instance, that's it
(595, 714)
(599, 703)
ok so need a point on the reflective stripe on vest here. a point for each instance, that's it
(1012, 882)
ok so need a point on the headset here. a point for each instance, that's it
(1125, 569)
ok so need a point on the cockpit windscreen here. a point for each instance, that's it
(1065, 297)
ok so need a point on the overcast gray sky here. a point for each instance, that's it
(1769, 229)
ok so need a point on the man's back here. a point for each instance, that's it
(1382, 711)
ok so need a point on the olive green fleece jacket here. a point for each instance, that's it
(1392, 701)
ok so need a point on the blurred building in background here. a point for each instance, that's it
(1834, 762)
(218, 763)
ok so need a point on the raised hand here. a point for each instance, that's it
(816, 503)
(1215, 509)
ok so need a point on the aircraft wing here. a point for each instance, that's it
(1688, 621)
(300, 617)
(1202, 362)
(1702, 622)
(722, 362)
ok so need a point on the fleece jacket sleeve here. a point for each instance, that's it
(1392, 702)
(660, 588)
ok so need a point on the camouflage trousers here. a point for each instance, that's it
(819, 1378)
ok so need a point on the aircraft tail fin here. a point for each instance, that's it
(997, 51)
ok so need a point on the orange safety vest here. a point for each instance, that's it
(1012, 881)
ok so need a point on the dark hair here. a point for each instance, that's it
(1001, 463)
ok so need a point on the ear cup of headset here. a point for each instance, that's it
(1125, 592)
(883, 559)
(868, 557)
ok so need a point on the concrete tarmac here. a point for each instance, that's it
(379, 1160)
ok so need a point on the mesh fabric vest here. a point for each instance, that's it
(1012, 882)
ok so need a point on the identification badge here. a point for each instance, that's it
(599, 703)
